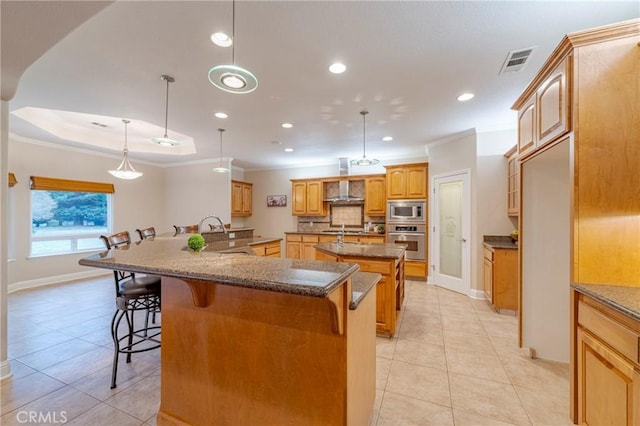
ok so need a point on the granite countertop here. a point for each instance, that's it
(500, 242)
(625, 300)
(238, 242)
(169, 256)
(336, 232)
(361, 284)
(382, 251)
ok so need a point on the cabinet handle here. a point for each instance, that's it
(464, 240)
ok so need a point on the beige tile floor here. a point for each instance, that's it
(453, 362)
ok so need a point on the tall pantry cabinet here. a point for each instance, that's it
(586, 99)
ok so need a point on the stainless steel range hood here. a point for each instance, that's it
(344, 197)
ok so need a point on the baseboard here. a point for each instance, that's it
(58, 279)
(477, 294)
(5, 369)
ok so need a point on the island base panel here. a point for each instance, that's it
(247, 356)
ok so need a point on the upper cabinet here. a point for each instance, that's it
(545, 114)
(374, 198)
(513, 182)
(241, 198)
(407, 181)
(308, 198)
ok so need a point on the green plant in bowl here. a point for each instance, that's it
(380, 229)
(196, 242)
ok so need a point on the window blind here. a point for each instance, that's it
(53, 184)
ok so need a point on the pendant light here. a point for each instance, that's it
(166, 140)
(125, 170)
(364, 161)
(232, 78)
(220, 168)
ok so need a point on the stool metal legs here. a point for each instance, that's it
(142, 339)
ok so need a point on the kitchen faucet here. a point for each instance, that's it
(211, 216)
(341, 235)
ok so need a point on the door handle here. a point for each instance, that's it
(463, 240)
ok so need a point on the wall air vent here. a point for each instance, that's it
(516, 60)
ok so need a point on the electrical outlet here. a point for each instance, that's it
(232, 243)
(232, 235)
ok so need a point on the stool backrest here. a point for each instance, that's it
(116, 240)
(146, 233)
(188, 229)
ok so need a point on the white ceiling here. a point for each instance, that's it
(407, 62)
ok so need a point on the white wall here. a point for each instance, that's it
(137, 203)
(194, 191)
(545, 246)
(454, 155)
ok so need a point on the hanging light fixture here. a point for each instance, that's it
(166, 140)
(364, 161)
(220, 168)
(232, 78)
(125, 170)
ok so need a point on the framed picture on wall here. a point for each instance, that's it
(276, 200)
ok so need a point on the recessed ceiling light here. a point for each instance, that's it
(387, 138)
(288, 150)
(221, 39)
(337, 68)
(287, 125)
(221, 115)
(465, 97)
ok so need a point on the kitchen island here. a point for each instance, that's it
(257, 340)
(384, 259)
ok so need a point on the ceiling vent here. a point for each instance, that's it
(517, 60)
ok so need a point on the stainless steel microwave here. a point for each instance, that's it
(407, 211)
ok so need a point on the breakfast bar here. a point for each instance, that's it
(255, 340)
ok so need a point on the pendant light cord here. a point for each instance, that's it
(233, 32)
(221, 130)
(364, 132)
(126, 147)
(166, 110)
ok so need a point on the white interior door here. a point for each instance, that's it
(451, 245)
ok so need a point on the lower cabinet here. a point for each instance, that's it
(501, 277)
(271, 249)
(608, 381)
(301, 246)
(389, 290)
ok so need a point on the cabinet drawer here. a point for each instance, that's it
(272, 250)
(613, 333)
(488, 253)
(384, 268)
(296, 238)
(309, 238)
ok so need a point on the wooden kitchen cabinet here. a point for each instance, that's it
(308, 198)
(301, 246)
(545, 115)
(513, 182)
(608, 382)
(407, 181)
(270, 249)
(501, 277)
(375, 200)
(241, 198)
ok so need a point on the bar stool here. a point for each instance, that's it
(146, 233)
(188, 229)
(133, 294)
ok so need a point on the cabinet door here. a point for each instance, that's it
(552, 106)
(236, 198)
(396, 183)
(299, 195)
(488, 280)
(513, 193)
(606, 384)
(416, 182)
(308, 249)
(526, 127)
(315, 196)
(375, 196)
(294, 250)
(247, 196)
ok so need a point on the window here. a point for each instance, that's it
(68, 216)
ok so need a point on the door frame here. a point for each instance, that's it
(465, 177)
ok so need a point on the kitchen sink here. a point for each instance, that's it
(331, 231)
